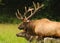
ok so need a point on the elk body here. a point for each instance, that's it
(42, 27)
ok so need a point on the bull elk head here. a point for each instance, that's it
(25, 19)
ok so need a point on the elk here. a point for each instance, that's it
(27, 36)
(26, 20)
(41, 27)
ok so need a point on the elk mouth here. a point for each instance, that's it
(24, 35)
(21, 34)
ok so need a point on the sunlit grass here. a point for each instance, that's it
(8, 34)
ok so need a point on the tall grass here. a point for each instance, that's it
(8, 34)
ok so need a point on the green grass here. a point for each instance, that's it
(8, 34)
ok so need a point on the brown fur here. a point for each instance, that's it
(43, 27)
(34, 27)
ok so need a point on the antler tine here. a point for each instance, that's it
(36, 7)
(25, 11)
(25, 8)
(18, 13)
(38, 4)
(17, 16)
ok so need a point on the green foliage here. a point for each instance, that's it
(8, 34)
(5, 19)
(0, 1)
(7, 13)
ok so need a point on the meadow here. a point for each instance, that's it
(8, 34)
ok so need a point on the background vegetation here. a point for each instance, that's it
(8, 32)
(51, 10)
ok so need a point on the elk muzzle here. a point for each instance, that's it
(21, 34)
(20, 28)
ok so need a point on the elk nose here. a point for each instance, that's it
(17, 35)
(22, 34)
(20, 28)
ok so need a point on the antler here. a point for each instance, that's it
(18, 13)
(27, 10)
(36, 8)
(32, 10)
